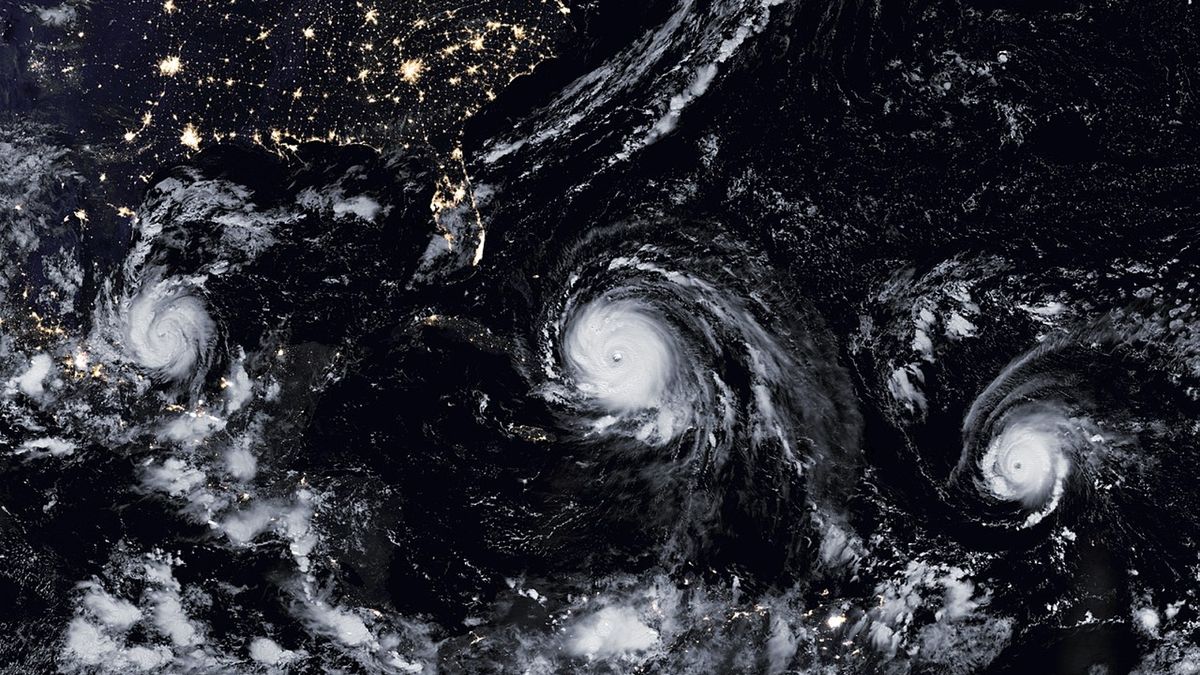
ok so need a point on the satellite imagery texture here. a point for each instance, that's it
(827, 337)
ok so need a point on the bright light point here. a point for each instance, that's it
(170, 66)
(835, 621)
(434, 69)
(190, 137)
(410, 71)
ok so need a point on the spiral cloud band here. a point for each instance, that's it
(1026, 461)
(621, 354)
(668, 372)
(168, 330)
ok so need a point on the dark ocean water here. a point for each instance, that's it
(738, 336)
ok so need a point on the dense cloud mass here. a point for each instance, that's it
(740, 336)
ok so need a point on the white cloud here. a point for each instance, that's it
(113, 612)
(268, 652)
(781, 646)
(174, 477)
(362, 206)
(59, 17)
(56, 447)
(167, 328)
(340, 623)
(1148, 619)
(611, 631)
(191, 428)
(241, 463)
(87, 643)
(31, 382)
(238, 387)
(958, 326)
(904, 386)
(958, 601)
(172, 621)
(145, 658)
(243, 526)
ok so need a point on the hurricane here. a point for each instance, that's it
(168, 331)
(567, 336)
(620, 355)
(1021, 442)
(1075, 445)
(1025, 462)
